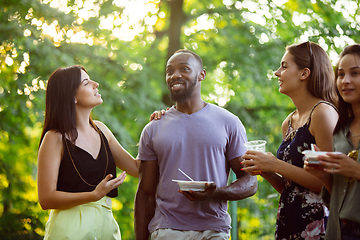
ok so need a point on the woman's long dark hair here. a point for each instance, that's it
(321, 80)
(60, 102)
(346, 115)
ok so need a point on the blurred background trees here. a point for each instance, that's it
(124, 45)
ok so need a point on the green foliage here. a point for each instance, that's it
(241, 43)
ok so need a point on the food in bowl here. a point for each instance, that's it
(196, 186)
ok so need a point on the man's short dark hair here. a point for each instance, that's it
(197, 57)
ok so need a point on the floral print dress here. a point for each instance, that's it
(301, 213)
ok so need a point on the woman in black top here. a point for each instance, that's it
(306, 76)
(77, 161)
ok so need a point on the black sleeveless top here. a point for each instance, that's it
(80, 172)
(300, 211)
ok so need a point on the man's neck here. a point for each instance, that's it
(190, 106)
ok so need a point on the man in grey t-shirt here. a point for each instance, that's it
(200, 138)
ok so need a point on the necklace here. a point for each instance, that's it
(107, 159)
(354, 136)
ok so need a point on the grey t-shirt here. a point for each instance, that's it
(201, 144)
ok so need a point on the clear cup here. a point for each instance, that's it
(256, 145)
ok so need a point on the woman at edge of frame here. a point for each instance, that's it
(77, 161)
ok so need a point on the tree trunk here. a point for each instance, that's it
(177, 19)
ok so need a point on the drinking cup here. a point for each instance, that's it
(256, 145)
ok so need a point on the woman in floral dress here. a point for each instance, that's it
(306, 76)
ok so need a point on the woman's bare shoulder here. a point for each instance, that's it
(324, 111)
(52, 136)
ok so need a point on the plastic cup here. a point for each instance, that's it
(256, 145)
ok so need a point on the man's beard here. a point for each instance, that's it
(182, 96)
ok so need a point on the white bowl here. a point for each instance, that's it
(312, 156)
(195, 186)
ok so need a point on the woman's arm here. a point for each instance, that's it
(123, 159)
(318, 171)
(275, 180)
(269, 165)
(262, 159)
(49, 159)
(322, 125)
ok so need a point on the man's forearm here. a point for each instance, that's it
(144, 212)
(241, 188)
